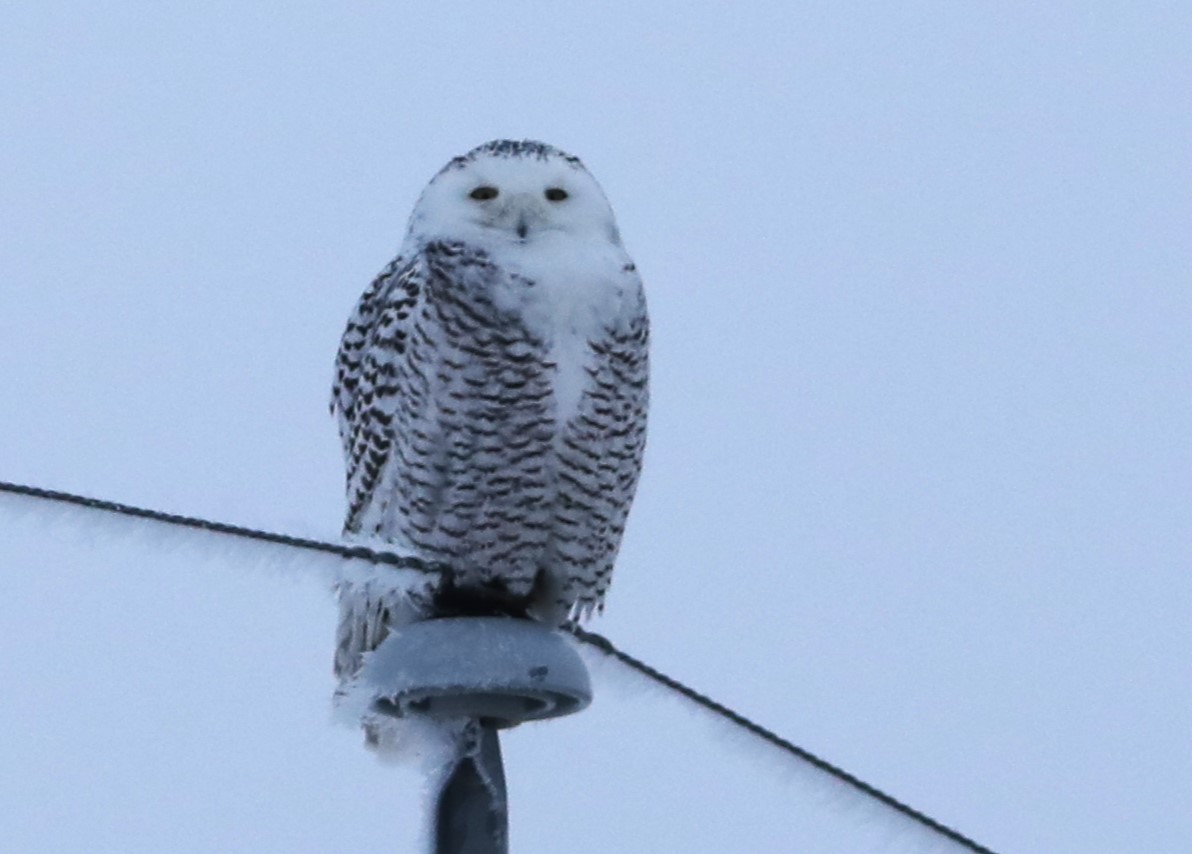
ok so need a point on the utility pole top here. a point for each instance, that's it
(495, 671)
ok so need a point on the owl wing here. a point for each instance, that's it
(600, 459)
(366, 394)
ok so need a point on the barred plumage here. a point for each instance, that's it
(491, 391)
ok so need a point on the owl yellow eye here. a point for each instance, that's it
(484, 193)
(555, 194)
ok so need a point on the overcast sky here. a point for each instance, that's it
(917, 493)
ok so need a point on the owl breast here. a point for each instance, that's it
(506, 418)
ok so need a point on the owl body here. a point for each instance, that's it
(491, 391)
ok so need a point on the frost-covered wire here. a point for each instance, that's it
(357, 552)
(608, 648)
(342, 549)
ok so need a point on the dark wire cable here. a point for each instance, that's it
(606, 646)
(342, 549)
(591, 638)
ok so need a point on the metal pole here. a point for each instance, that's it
(472, 816)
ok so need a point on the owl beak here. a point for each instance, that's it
(522, 214)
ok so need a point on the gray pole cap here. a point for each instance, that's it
(497, 669)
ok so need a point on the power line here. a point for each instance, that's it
(342, 549)
(606, 646)
(357, 552)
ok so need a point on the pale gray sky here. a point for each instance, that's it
(918, 487)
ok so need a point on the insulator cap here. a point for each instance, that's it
(498, 669)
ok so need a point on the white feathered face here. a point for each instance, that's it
(514, 193)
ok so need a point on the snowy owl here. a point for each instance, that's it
(491, 393)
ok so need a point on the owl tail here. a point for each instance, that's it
(368, 611)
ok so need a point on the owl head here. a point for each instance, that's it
(513, 193)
